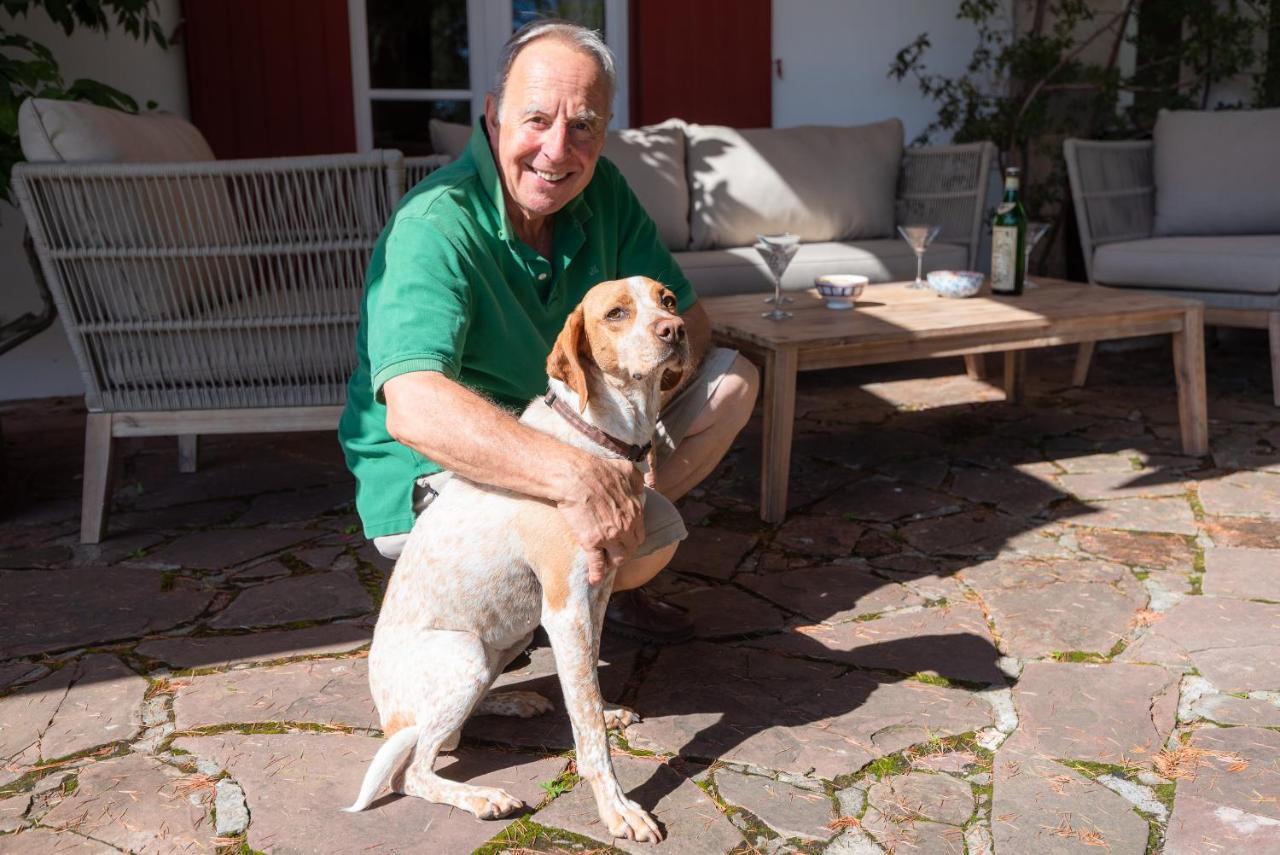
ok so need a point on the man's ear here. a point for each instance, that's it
(565, 361)
(491, 115)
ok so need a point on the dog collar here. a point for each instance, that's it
(634, 453)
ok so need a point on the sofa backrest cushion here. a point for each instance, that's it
(449, 138)
(822, 183)
(72, 131)
(1215, 172)
(652, 159)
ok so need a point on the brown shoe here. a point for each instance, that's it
(634, 614)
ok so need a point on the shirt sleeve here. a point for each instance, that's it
(641, 251)
(419, 309)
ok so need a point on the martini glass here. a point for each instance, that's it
(919, 238)
(1035, 231)
(777, 252)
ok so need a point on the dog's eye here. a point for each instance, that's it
(668, 302)
(617, 313)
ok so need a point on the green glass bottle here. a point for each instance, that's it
(1009, 240)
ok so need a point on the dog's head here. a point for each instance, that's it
(628, 330)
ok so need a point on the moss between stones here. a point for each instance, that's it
(525, 834)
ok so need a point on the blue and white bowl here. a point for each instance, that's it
(840, 289)
(955, 283)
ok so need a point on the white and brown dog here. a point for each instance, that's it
(484, 566)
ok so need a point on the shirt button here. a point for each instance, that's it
(542, 277)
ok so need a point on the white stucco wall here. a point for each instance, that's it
(836, 55)
(43, 366)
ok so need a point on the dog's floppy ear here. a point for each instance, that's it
(565, 361)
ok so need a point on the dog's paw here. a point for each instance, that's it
(620, 718)
(631, 822)
(514, 703)
(490, 802)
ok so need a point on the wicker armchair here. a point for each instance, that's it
(946, 185)
(1114, 188)
(211, 297)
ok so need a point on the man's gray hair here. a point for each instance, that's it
(585, 39)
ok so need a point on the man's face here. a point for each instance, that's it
(551, 130)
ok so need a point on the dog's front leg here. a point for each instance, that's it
(572, 631)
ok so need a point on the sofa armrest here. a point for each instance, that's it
(946, 185)
(1113, 188)
(215, 284)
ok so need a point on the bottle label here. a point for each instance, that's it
(1005, 207)
(1004, 265)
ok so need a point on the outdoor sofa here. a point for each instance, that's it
(1193, 212)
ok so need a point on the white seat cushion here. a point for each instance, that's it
(822, 183)
(741, 270)
(1243, 264)
(1217, 172)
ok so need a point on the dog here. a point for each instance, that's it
(484, 566)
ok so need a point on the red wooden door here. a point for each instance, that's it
(270, 78)
(707, 61)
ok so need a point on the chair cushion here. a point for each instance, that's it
(449, 138)
(71, 131)
(822, 183)
(1215, 172)
(1246, 264)
(652, 160)
(741, 270)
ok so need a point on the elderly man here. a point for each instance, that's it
(468, 287)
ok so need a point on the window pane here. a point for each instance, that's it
(589, 13)
(404, 124)
(418, 44)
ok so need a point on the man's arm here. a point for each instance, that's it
(467, 434)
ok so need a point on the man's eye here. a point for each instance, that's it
(616, 314)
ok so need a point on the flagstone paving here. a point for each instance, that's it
(982, 628)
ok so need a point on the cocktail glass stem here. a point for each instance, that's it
(920, 283)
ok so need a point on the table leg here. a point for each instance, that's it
(779, 423)
(1188, 366)
(975, 365)
(1015, 372)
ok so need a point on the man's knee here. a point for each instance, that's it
(637, 571)
(739, 389)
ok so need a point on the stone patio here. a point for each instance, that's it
(982, 628)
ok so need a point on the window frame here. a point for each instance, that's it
(488, 27)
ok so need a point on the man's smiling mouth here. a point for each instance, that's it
(552, 177)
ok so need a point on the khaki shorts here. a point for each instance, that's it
(662, 523)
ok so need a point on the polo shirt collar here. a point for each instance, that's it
(491, 181)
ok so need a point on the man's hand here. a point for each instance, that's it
(605, 513)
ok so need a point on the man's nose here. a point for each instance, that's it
(669, 329)
(555, 141)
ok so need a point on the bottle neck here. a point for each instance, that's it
(1011, 189)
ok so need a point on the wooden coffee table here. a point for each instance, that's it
(893, 323)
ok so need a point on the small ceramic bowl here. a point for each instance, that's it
(840, 289)
(955, 283)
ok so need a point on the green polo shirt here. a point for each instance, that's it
(450, 288)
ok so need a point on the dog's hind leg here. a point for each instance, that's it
(453, 672)
(513, 702)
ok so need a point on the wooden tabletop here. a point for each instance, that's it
(892, 312)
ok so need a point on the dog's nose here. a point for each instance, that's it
(669, 329)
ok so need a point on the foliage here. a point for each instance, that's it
(28, 68)
(1058, 73)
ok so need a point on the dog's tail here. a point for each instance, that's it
(389, 757)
